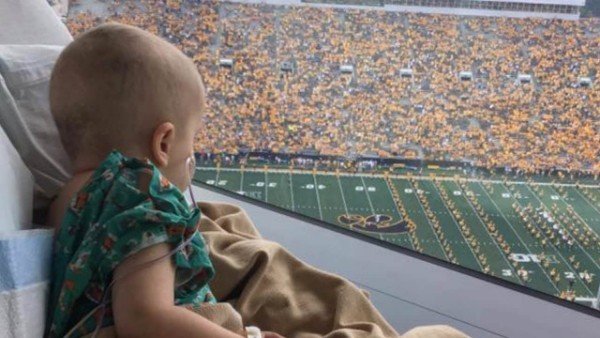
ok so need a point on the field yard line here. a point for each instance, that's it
(586, 223)
(369, 199)
(563, 257)
(588, 202)
(595, 192)
(456, 223)
(429, 222)
(342, 193)
(366, 192)
(564, 227)
(318, 199)
(217, 178)
(266, 186)
(489, 234)
(516, 233)
(399, 213)
(522, 242)
(242, 181)
(421, 178)
(292, 192)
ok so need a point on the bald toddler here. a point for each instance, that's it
(127, 252)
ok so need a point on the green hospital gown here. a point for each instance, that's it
(126, 206)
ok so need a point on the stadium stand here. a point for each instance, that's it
(494, 120)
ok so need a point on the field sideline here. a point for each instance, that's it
(515, 230)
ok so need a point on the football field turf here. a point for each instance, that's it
(542, 235)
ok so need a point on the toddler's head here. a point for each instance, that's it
(119, 87)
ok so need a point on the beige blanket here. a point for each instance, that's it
(260, 283)
(276, 291)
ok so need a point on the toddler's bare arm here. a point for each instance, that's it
(144, 305)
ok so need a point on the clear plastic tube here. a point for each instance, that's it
(191, 167)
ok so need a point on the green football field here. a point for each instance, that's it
(542, 235)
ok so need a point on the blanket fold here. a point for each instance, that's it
(258, 282)
(276, 291)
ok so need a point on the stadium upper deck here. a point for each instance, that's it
(559, 9)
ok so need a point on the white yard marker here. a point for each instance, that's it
(292, 192)
(342, 192)
(266, 189)
(591, 205)
(482, 223)
(431, 226)
(368, 197)
(318, 199)
(517, 234)
(242, 182)
(457, 226)
(565, 228)
(412, 245)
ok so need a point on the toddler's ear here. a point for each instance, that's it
(163, 139)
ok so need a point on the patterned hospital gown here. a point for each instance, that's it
(125, 207)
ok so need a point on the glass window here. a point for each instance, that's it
(385, 139)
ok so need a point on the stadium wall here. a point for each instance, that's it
(388, 5)
(477, 12)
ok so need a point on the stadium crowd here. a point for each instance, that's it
(285, 91)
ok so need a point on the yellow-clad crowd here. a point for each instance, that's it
(286, 92)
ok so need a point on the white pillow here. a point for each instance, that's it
(31, 21)
(16, 189)
(25, 115)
